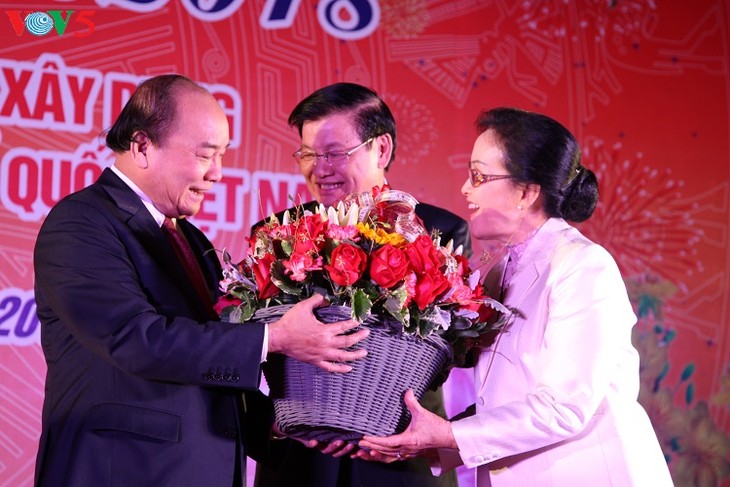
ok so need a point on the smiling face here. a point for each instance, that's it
(494, 205)
(362, 170)
(184, 166)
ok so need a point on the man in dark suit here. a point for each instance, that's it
(347, 144)
(144, 384)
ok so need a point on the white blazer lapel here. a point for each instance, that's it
(531, 266)
(493, 281)
(533, 262)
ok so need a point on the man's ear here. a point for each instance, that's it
(138, 148)
(384, 146)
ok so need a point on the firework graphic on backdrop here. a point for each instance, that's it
(643, 218)
(417, 132)
(657, 233)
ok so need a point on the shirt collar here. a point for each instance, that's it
(156, 214)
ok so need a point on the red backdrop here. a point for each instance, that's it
(644, 85)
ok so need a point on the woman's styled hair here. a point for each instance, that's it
(539, 150)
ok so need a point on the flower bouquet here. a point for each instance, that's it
(373, 260)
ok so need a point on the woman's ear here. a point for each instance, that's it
(530, 194)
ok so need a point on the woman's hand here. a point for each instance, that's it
(425, 433)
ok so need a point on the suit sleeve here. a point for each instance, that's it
(585, 345)
(102, 286)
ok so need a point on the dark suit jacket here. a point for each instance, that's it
(139, 389)
(291, 463)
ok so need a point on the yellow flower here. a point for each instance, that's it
(722, 398)
(702, 458)
(380, 236)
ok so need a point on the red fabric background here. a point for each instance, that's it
(645, 86)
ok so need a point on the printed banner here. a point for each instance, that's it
(644, 86)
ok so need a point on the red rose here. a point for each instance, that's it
(486, 313)
(388, 266)
(459, 292)
(423, 255)
(347, 263)
(298, 266)
(224, 302)
(262, 273)
(462, 265)
(309, 234)
(428, 288)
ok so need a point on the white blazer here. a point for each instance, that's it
(557, 392)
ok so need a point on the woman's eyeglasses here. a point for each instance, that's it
(477, 179)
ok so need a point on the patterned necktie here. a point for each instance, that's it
(187, 258)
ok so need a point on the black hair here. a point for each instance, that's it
(371, 115)
(151, 109)
(539, 150)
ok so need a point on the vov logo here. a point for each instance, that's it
(42, 23)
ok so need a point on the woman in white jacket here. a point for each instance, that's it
(557, 388)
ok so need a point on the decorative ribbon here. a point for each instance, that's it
(396, 207)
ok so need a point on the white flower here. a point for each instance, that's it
(342, 215)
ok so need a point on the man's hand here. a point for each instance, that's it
(301, 336)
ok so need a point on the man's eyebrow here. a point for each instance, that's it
(210, 145)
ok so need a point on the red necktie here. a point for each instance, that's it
(187, 258)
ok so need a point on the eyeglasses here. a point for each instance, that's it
(477, 179)
(333, 158)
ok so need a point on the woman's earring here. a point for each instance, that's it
(519, 207)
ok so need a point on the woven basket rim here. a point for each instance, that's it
(335, 312)
(311, 403)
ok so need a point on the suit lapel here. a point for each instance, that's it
(533, 262)
(493, 281)
(139, 220)
(145, 229)
(205, 253)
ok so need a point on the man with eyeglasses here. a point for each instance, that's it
(348, 141)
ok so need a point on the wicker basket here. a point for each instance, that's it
(311, 403)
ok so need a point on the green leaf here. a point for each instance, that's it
(689, 394)
(361, 305)
(234, 315)
(411, 326)
(280, 279)
(687, 372)
(394, 304)
(286, 247)
(225, 314)
(434, 318)
(247, 312)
